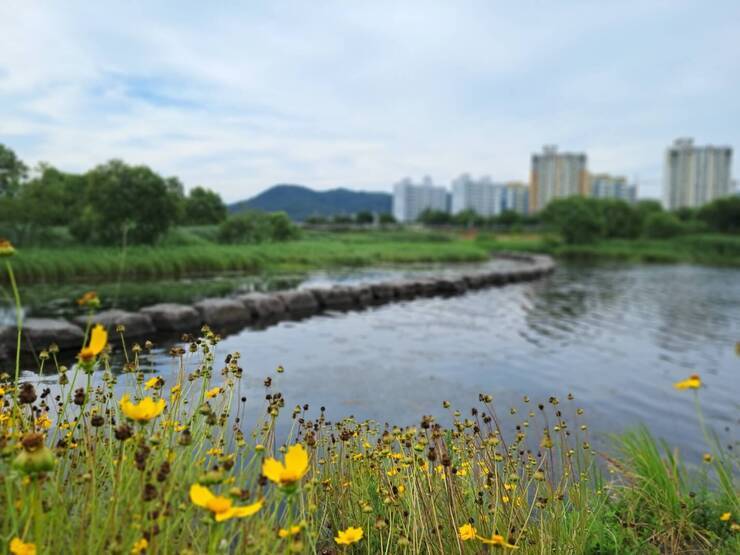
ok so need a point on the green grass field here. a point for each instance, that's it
(710, 249)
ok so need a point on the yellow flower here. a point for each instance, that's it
(707, 457)
(175, 391)
(221, 507)
(155, 382)
(98, 341)
(295, 468)
(725, 517)
(139, 546)
(211, 393)
(143, 411)
(43, 421)
(467, 532)
(2, 392)
(292, 531)
(6, 248)
(18, 547)
(692, 382)
(498, 540)
(90, 299)
(349, 536)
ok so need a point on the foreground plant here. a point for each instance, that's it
(125, 462)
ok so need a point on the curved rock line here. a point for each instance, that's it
(261, 309)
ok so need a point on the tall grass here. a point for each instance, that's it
(315, 251)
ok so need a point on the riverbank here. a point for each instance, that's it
(709, 249)
(316, 250)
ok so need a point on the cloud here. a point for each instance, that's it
(334, 94)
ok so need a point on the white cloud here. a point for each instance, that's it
(361, 94)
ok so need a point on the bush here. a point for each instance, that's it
(257, 227)
(578, 219)
(663, 225)
(722, 215)
(621, 220)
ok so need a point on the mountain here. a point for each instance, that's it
(301, 202)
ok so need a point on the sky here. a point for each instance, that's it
(238, 96)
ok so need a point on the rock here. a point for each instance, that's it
(382, 292)
(222, 312)
(406, 289)
(39, 333)
(173, 317)
(335, 298)
(263, 306)
(426, 287)
(447, 286)
(475, 281)
(300, 302)
(362, 295)
(136, 324)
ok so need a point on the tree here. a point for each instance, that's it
(364, 217)
(468, 218)
(257, 227)
(621, 220)
(578, 219)
(12, 172)
(435, 217)
(203, 207)
(662, 225)
(722, 214)
(508, 218)
(54, 198)
(124, 201)
(387, 218)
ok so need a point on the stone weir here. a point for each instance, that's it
(226, 315)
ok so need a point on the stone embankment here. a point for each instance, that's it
(260, 309)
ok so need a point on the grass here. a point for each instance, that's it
(79, 475)
(113, 459)
(710, 249)
(181, 255)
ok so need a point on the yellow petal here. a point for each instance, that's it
(296, 460)
(272, 469)
(98, 339)
(200, 495)
(239, 512)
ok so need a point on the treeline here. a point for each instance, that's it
(470, 218)
(116, 203)
(586, 220)
(361, 218)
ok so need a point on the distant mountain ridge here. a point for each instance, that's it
(300, 202)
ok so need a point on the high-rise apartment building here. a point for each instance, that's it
(555, 175)
(696, 175)
(482, 196)
(515, 197)
(604, 185)
(410, 199)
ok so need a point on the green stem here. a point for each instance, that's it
(18, 320)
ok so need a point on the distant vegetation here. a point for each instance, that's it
(302, 203)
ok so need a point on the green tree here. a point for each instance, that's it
(364, 217)
(123, 201)
(722, 214)
(435, 217)
(662, 225)
(621, 220)
(387, 219)
(12, 171)
(508, 218)
(257, 227)
(203, 207)
(577, 219)
(468, 218)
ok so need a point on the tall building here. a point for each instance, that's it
(483, 196)
(515, 197)
(410, 199)
(604, 185)
(556, 174)
(696, 175)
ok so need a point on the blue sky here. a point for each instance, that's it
(238, 96)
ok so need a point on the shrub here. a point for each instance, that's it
(621, 220)
(257, 227)
(722, 215)
(579, 220)
(663, 225)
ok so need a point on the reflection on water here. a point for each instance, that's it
(617, 337)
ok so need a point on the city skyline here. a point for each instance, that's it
(239, 99)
